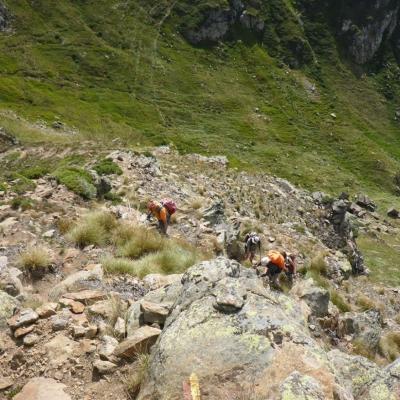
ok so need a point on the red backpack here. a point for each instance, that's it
(170, 205)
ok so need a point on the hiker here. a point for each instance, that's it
(291, 267)
(162, 211)
(274, 264)
(252, 244)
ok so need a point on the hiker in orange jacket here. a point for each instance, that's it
(274, 263)
(160, 213)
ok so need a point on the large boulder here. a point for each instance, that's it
(232, 333)
(7, 306)
(365, 328)
(364, 379)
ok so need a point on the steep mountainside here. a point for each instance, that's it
(307, 90)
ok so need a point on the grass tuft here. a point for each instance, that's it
(140, 242)
(118, 265)
(137, 375)
(93, 229)
(35, 260)
(389, 345)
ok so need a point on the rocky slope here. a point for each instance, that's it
(82, 330)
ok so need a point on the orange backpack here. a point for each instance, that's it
(276, 258)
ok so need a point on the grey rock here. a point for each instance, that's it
(47, 310)
(393, 213)
(165, 295)
(229, 296)
(7, 306)
(139, 342)
(31, 339)
(10, 282)
(365, 202)
(60, 322)
(23, 318)
(134, 318)
(107, 347)
(364, 327)
(156, 281)
(317, 298)
(3, 263)
(86, 279)
(298, 386)
(215, 214)
(394, 369)
(104, 367)
(120, 327)
(154, 313)
(362, 378)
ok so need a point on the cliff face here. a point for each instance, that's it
(365, 27)
(4, 18)
(360, 30)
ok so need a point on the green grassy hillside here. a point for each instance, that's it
(122, 69)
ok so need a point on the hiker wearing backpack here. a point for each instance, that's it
(252, 244)
(274, 263)
(291, 267)
(162, 212)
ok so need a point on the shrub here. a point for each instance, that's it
(319, 265)
(339, 301)
(113, 197)
(389, 345)
(35, 260)
(35, 172)
(3, 187)
(107, 167)
(64, 225)
(22, 184)
(365, 303)
(361, 348)
(77, 180)
(21, 203)
(196, 203)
